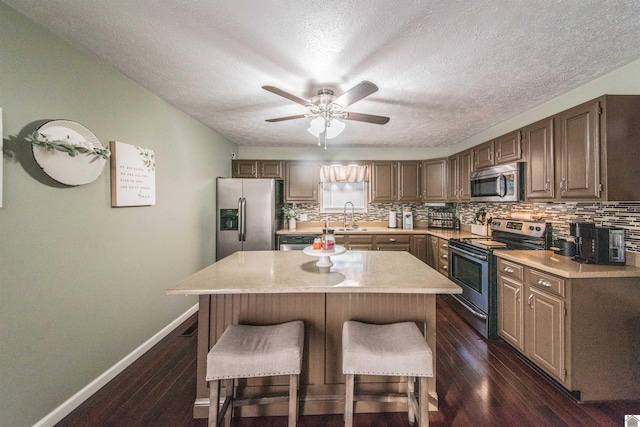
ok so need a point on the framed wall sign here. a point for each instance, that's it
(133, 175)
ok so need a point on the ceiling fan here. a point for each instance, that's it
(325, 108)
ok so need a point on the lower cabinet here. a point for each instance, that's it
(531, 315)
(420, 247)
(438, 254)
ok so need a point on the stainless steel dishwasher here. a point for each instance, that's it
(295, 242)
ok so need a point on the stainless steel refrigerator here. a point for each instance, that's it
(249, 214)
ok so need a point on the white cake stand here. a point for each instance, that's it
(325, 255)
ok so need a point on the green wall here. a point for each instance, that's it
(83, 284)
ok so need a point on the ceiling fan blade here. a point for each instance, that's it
(287, 95)
(281, 119)
(369, 118)
(356, 93)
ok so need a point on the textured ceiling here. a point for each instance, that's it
(446, 69)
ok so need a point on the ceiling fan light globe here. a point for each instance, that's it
(335, 128)
(316, 126)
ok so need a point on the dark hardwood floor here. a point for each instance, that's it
(480, 383)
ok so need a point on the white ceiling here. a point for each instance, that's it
(446, 69)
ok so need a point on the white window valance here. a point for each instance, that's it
(336, 173)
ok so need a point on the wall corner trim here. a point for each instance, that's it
(77, 399)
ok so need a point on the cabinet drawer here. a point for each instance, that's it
(544, 281)
(361, 239)
(444, 245)
(443, 267)
(404, 239)
(509, 269)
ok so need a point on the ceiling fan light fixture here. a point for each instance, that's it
(334, 127)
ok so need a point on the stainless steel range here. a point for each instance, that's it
(472, 265)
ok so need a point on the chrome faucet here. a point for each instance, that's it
(344, 222)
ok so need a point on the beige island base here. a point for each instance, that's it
(272, 286)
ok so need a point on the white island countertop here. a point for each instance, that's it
(294, 272)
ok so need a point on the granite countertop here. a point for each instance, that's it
(564, 266)
(294, 272)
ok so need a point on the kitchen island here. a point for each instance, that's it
(275, 286)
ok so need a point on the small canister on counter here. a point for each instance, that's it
(328, 239)
(317, 243)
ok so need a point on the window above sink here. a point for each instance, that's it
(334, 195)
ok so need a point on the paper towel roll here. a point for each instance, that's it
(392, 219)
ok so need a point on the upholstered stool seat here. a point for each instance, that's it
(397, 349)
(245, 351)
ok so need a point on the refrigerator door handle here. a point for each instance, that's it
(243, 216)
(240, 219)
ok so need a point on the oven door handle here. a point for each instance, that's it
(463, 253)
(471, 310)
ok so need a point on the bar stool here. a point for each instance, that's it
(396, 349)
(245, 351)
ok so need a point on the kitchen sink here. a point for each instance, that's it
(351, 229)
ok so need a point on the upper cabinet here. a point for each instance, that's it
(483, 155)
(434, 180)
(459, 169)
(539, 155)
(383, 181)
(588, 152)
(505, 149)
(396, 181)
(301, 181)
(257, 169)
(409, 181)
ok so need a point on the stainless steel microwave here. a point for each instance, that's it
(503, 183)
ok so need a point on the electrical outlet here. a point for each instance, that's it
(303, 217)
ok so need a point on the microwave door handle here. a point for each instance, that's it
(501, 185)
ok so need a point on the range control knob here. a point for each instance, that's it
(531, 227)
(538, 229)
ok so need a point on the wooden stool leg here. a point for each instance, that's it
(293, 400)
(424, 402)
(411, 409)
(348, 400)
(214, 397)
(230, 391)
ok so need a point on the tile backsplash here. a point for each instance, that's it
(621, 214)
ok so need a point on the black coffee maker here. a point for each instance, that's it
(598, 245)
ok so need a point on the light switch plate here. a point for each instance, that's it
(303, 217)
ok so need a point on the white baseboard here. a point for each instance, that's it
(77, 399)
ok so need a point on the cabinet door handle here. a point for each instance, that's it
(498, 154)
(529, 301)
(444, 256)
(563, 185)
(508, 270)
(445, 267)
(393, 240)
(544, 283)
(262, 170)
(546, 185)
(517, 295)
(445, 246)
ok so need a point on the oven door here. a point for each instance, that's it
(471, 272)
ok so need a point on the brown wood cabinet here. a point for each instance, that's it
(459, 168)
(301, 181)
(578, 152)
(443, 256)
(383, 181)
(433, 252)
(396, 181)
(531, 315)
(409, 181)
(257, 169)
(538, 141)
(420, 247)
(434, 180)
(483, 155)
(504, 149)
(588, 152)
(508, 148)
(393, 242)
